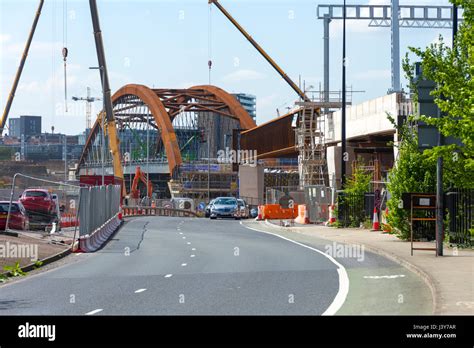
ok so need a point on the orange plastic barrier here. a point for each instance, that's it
(275, 211)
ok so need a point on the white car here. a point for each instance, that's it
(244, 208)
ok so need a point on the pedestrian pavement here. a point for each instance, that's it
(450, 277)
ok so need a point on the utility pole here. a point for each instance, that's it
(208, 165)
(343, 113)
(395, 37)
(65, 158)
(147, 155)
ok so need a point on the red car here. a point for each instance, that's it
(38, 201)
(18, 218)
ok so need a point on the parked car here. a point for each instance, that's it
(225, 207)
(39, 202)
(18, 217)
(244, 208)
(207, 210)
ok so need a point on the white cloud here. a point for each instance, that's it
(243, 75)
(373, 74)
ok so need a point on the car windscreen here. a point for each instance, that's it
(4, 208)
(225, 201)
(35, 194)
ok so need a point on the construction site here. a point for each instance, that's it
(202, 142)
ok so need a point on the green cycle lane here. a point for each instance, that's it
(377, 285)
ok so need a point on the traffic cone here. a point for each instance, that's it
(259, 215)
(376, 223)
(332, 218)
(120, 214)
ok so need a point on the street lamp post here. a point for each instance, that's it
(102, 137)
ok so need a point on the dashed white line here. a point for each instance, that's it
(193, 249)
(188, 243)
(184, 264)
(95, 311)
(192, 256)
(180, 232)
(184, 237)
(168, 276)
(139, 291)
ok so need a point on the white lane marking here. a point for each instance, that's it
(94, 311)
(184, 264)
(385, 276)
(139, 291)
(188, 243)
(184, 237)
(193, 249)
(180, 232)
(168, 276)
(192, 256)
(341, 271)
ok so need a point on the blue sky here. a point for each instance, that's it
(165, 43)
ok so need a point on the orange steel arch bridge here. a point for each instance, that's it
(167, 126)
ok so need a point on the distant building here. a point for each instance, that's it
(24, 125)
(249, 103)
(14, 129)
(30, 125)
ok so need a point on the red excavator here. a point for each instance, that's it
(140, 176)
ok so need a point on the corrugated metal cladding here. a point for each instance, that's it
(271, 139)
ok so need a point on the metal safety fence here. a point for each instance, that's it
(353, 209)
(460, 209)
(97, 205)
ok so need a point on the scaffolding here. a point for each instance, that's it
(311, 145)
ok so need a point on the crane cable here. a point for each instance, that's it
(65, 51)
(209, 41)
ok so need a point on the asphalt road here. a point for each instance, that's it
(190, 266)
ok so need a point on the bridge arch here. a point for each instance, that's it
(162, 108)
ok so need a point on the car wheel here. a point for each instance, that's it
(213, 217)
(237, 218)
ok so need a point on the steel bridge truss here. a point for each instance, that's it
(165, 125)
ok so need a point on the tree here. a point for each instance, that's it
(413, 172)
(452, 70)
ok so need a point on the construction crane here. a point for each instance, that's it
(110, 126)
(89, 100)
(4, 118)
(261, 51)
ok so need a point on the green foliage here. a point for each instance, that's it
(359, 183)
(452, 70)
(14, 270)
(411, 173)
(38, 264)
